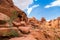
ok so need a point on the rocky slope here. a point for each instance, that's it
(39, 30)
(7, 7)
(24, 28)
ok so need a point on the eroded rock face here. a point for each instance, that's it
(49, 30)
(27, 28)
(7, 7)
(4, 17)
(24, 38)
(3, 20)
(7, 10)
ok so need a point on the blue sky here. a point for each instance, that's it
(49, 9)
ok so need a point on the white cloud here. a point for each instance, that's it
(31, 8)
(55, 3)
(22, 4)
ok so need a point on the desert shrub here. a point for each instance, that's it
(58, 38)
(13, 32)
(14, 15)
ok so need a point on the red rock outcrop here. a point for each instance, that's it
(7, 10)
(7, 7)
(26, 28)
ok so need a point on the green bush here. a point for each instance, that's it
(14, 15)
(13, 32)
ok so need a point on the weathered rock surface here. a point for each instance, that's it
(4, 17)
(7, 7)
(24, 38)
(26, 28)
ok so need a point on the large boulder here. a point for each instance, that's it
(24, 38)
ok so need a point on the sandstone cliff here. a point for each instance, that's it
(7, 7)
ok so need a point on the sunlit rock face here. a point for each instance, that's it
(27, 28)
(7, 10)
(7, 7)
(4, 17)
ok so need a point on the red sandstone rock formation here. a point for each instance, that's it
(43, 19)
(7, 7)
(7, 10)
(27, 28)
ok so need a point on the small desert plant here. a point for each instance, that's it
(13, 32)
(14, 15)
(58, 38)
